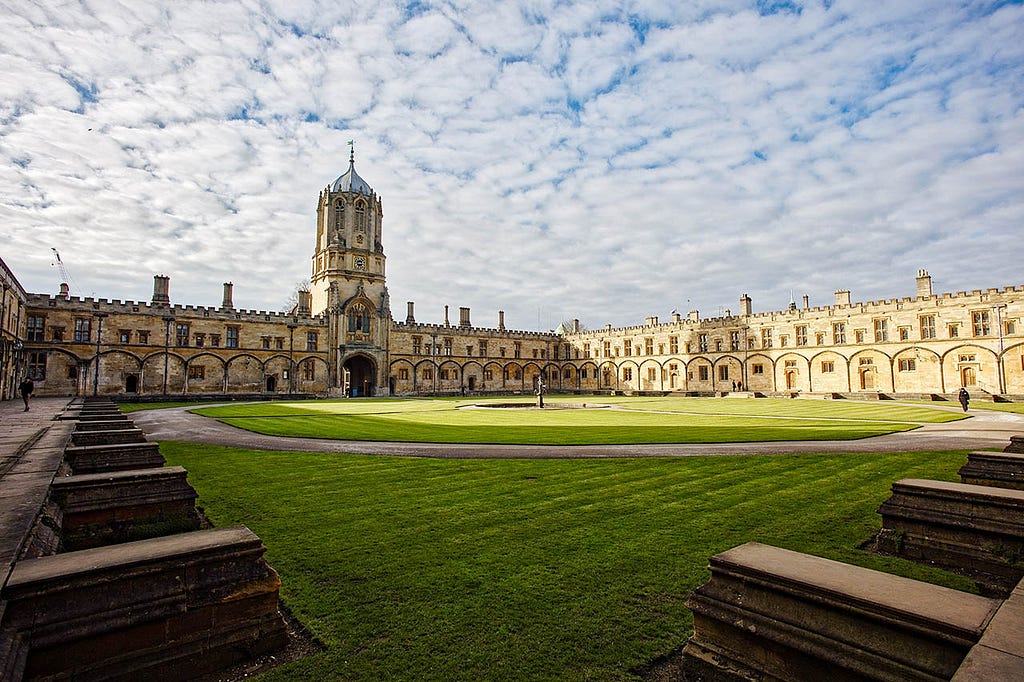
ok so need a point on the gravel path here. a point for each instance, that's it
(985, 429)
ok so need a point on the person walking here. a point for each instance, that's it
(964, 397)
(25, 388)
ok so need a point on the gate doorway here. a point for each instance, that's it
(867, 380)
(968, 376)
(359, 377)
(131, 383)
(271, 383)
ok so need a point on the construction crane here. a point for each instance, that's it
(65, 276)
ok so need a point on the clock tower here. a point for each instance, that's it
(347, 284)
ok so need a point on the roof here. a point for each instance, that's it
(350, 181)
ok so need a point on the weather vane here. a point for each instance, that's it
(352, 151)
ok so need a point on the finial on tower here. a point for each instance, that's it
(352, 151)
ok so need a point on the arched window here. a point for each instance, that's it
(339, 215)
(360, 215)
(359, 319)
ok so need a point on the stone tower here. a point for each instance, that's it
(348, 284)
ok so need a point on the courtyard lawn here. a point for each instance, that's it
(427, 569)
(622, 421)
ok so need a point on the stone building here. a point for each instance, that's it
(13, 318)
(341, 339)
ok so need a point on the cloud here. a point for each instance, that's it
(597, 160)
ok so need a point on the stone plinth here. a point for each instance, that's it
(1000, 653)
(770, 613)
(107, 424)
(1016, 444)
(998, 469)
(108, 437)
(973, 529)
(107, 508)
(83, 418)
(168, 608)
(123, 457)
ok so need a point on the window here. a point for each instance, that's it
(904, 333)
(839, 333)
(586, 350)
(954, 330)
(866, 361)
(801, 335)
(517, 349)
(607, 349)
(37, 365)
(82, 330)
(828, 367)
(311, 341)
(734, 340)
(57, 333)
(757, 369)
(627, 347)
(673, 344)
(232, 338)
(980, 320)
(908, 365)
(196, 372)
(790, 363)
(36, 328)
(784, 340)
(444, 375)
(661, 349)
(483, 348)
(360, 216)
(215, 340)
(766, 338)
(73, 372)
(403, 374)
(181, 333)
(125, 335)
(1009, 327)
(144, 336)
(417, 345)
(279, 343)
(702, 372)
(819, 338)
(702, 343)
(649, 346)
(308, 370)
(428, 373)
(488, 375)
(858, 336)
(359, 319)
(881, 330)
(266, 342)
(447, 346)
(723, 372)
(927, 326)
(627, 374)
(339, 214)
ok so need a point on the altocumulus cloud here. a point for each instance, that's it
(601, 160)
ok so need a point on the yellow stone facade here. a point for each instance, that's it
(341, 339)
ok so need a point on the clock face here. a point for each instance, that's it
(360, 263)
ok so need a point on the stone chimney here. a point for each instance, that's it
(228, 290)
(65, 291)
(305, 303)
(843, 297)
(161, 289)
(745, 305)
(410, 318)
(575, 326)
(446, 322)
(924, 284)
(807, 302)
(501, 320)
(694, 316)
(464, 317)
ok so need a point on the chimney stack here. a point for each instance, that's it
(305, 303)
(807, 302)
(843, 297)
(464, 317)
(161, 288)
(65, 291)
(924, 284)
(501, 320)
(575, 326)
(228, 290)
(409, 317)
(745, 305)
(446, 322)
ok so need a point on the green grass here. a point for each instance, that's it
(636, 420)
(427, 569)
(137, 407)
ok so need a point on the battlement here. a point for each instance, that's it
(91, 305)
(454, 330)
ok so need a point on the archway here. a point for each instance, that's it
(271, 383)
(359, 376)
(131, 383)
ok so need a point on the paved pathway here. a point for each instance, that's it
(984, 430)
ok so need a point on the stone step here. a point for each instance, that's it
(90, 459)
(107, 508)
(102, 425)
(175, 607)
(108, 437)
(972, 529)
(998, 469)
(771, 613)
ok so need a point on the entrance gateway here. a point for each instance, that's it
(359, 376)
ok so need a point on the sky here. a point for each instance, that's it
(598, 160)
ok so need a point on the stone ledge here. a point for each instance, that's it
(89, 459)
(776, 613)
(108, 437)
(997, 469)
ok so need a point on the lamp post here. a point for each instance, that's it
(1000, 374)
(96, 372)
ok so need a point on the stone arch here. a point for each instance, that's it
(359, 375)
(211, 379)
(970, 362)
(829, 372)
(154, 377)
(244, 374)
(871, 371)
(915, 370)
(792, 372)
(760, 372)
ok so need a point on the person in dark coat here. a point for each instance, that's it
(964, 397)
(25, 388)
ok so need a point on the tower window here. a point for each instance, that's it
(339, 215)
(359, 319)
(360, 216)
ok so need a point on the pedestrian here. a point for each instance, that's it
(25, 388)
(964, 397)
